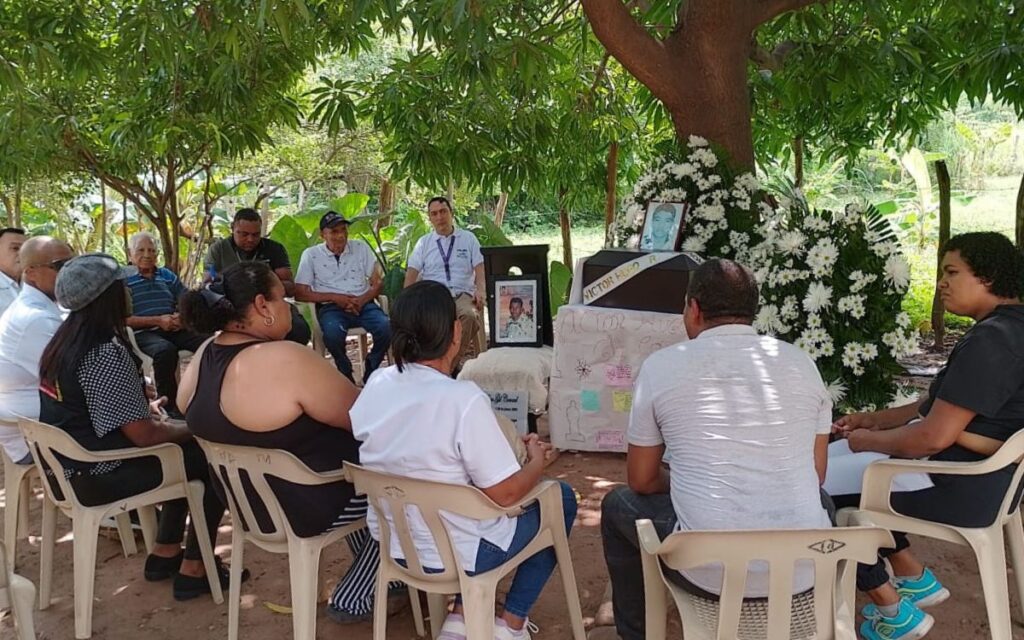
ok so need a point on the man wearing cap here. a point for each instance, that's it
(246, 242)
(451, 256)
(154, 319)
(25, 330)
(343, 278)
(11, 240)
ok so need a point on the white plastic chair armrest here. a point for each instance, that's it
(648, 537)
(877, 482)
(172, 462)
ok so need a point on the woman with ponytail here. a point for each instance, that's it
(414, 420)
(249, 386)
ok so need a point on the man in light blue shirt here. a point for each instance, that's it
(25, 330)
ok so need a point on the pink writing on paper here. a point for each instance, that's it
(618, 375)
(612, 440)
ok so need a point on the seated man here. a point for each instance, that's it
(452, 257)
(154, 317)
(246, 242)
(11, 240)
(745, 420)
(343, 277)
(25, 330)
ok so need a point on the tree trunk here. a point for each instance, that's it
(103, 217)
(1020, 215)
(265, 214)
(15, 213)
(945, 213)
(451, 193)
(8, 209)
(387, 203)
(611, 181)
(565, 223)
(301, 200)
(499, 209)
(798, 161)
(124, 228)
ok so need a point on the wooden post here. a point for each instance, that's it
(611, 180)
(798, 161)
(499, 209)
(945, 213)
(566, 225)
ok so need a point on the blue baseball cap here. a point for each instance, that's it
(332, 219)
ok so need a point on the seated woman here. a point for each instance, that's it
(974, 405)
(415, 420)
(91, 386)
(249, 386)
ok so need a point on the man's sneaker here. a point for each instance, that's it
(503, 632)
(909, 623)
(454, 628)
(924, 592)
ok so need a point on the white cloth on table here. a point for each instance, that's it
(513, 369)
(845, 475)
(347, 273)
(463, 252)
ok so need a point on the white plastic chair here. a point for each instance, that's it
(229, 462)
(356, 332)
(17, 594)
(824, 613)
(147, 361)
(45, 441)
(392, 494)
(986, 542)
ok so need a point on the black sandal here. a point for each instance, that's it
(189, 587)
(160, 568)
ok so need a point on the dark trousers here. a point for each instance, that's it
(300, 331)
(142, 474)
(163, 347)
(335, 323)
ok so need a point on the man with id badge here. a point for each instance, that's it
(451, 256)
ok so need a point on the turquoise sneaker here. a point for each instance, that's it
(924, 592)
(909, 623)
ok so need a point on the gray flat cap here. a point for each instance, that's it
(84, 278)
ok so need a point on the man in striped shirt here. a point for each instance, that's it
(154, 317)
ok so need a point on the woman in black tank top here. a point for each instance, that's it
(249, 387)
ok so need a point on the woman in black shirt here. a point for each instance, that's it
(91, 386)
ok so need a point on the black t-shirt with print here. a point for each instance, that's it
(224, 253)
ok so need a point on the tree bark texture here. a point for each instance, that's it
(124, 228)
(945, 213)
(1020, 215)
(699, 72)
(611, 181)
(566, 224)
(798, 161)
(103, 217)
(387, 203)
(500, 208)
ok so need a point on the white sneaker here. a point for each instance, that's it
(503, 632)
(454, 628)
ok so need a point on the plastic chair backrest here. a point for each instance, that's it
(233, 462)
(833, 551)
(5, 596)
(1012, 451)
(45, 441)
(392, 494)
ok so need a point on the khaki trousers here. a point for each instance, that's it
(472, 328)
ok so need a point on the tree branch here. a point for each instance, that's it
(766, 10)
(635, 49)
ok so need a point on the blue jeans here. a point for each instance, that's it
(534, 572)
(335, 323)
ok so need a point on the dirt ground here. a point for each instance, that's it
(127, 607)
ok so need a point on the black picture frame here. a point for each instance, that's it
(508, 330)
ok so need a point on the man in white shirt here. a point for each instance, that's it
(745, 420)
(343, 278)
(451, 256)
(11, 240)
(25, 330)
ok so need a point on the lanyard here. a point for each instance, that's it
(446, 257)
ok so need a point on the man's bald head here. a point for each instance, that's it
(41, 258)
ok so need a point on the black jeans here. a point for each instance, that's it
(163, 347)
(142, 474)
(300, 331)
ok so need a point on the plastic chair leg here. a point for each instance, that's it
(304, 567)
(1015, 536)
(147, 520)
(572, 594)
(417, 612)
(437, 607)
(655, 599)
(992, 569)
(235, 586)
(194, 493)
(478, 597)
(127, 535)
(86, 530)
(23, 596)
(13, 502)
(380, 609)
(49, 534)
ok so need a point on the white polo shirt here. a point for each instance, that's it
(738, 414)
(348, 273)
(8, 291)
(462, 251)
(25, 330)
(422, 424)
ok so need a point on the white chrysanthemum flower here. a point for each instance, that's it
(853, 305)
(694, 243)
(711, 212)
(903, 319)
(883, 249)
(836, 390)
(715, 179)
(790, 309)
(768, 320)
(792, 242)
(816, 223)
(897, 272)
(814, 320)
(903, 397)
(822, 257)
(765, 210)
(818, 298)
(859, 280)
(635, 212)
(697, 141)
(748, 182)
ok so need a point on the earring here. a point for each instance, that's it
(269, 321)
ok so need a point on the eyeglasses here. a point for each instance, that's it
(56, 265)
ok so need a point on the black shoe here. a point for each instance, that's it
(159, 568)
(189, 587)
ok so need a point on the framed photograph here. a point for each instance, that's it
(516, 311)
(663, 226)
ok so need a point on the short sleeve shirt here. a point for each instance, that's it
(461, 250)
(156, 295)
(347, 273)
(985, 374)
(224, 253)
(8, 291)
